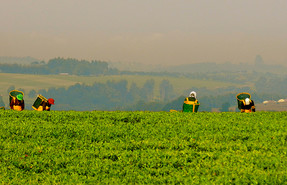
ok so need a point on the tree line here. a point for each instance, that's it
(119, 95)
(105, 96)
(60, 65)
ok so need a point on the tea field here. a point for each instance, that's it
(101, 147)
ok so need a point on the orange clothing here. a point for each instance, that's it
(45, 106)
(15, 104)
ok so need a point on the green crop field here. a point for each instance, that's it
(101, 147)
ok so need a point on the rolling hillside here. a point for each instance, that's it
(36, 82)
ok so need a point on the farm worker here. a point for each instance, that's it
(190, 103)
(17, 103)
(46, 105)
(248, 105)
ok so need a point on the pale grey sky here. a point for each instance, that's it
(145, 31)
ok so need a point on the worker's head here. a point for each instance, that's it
(19, 97)
(192, 94)
(247, 101)
(51, 101)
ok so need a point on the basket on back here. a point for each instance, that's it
(190, 107)
(14, 93)
(38, 101)
(241, 97)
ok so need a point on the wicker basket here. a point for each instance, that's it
(38, 101)
(13, 94)
(190, 107)
(241, 97)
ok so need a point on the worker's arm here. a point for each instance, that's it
(185, 99)
(12, 102)
(44, 104)
(252, 106)
(22, 104)
(48, 108)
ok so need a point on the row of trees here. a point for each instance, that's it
(273, 85)
(118, 96)
(106, 96)
(73, 67)
(122, 96)
(2, 104)
(60, 65)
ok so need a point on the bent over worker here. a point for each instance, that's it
(17, 103)
(46, 105)
(247, 105)
(190, 103)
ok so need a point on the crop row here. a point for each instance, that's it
(70, 147)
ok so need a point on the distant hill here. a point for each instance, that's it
(272, 106)
(214, 67)
(207, 67)
(17, 60)
(134, 66)
(200, 67)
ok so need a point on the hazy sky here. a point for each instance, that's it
(145, 31)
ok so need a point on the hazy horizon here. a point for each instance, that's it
(162, 32)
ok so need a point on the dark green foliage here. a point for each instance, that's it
(100, 147)
(32, 93)
(147, 91)
(116, 96)
(109, 96)
(60, 65)
(225, 107)
(23, 90)
(11, 88)
(166, 90)
(2, 104)
(76, 67)
(174, 104)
